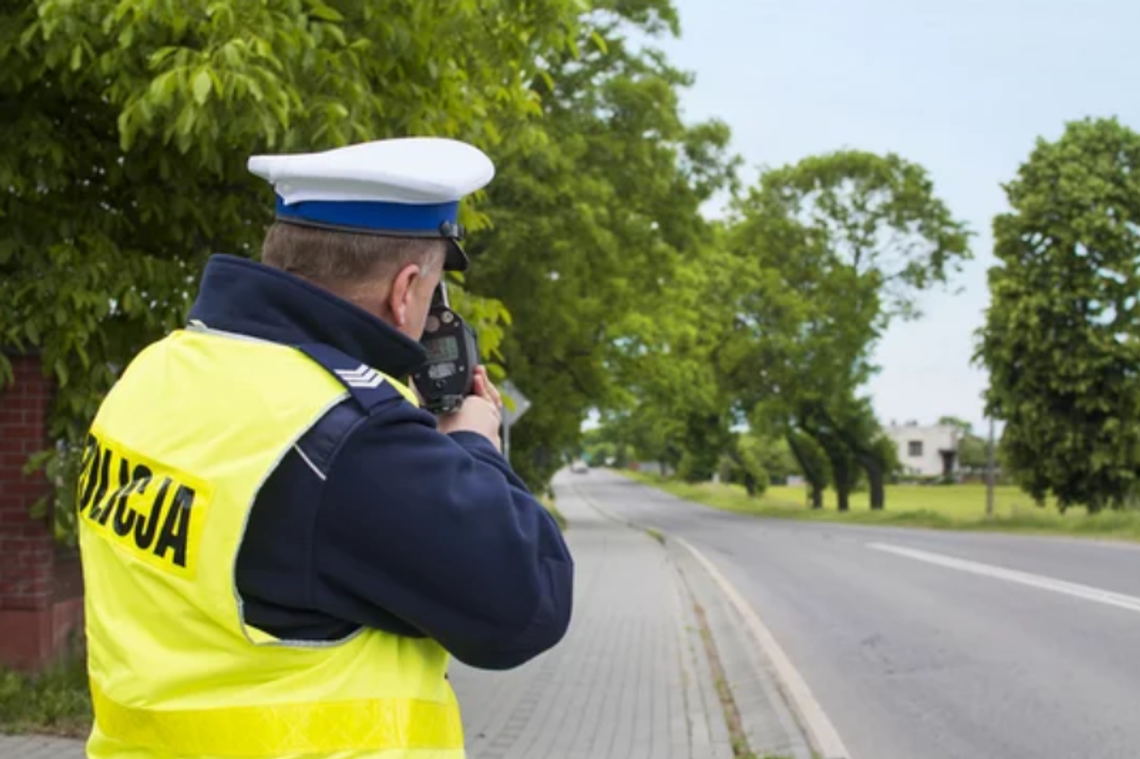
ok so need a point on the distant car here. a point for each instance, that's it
(579, 467)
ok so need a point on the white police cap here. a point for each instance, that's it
(406, 187)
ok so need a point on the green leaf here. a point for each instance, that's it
(29, 34)
(61, 373)
(599, 42)
(158, 56)
(39, 509)
(324, 12)
(202, 86)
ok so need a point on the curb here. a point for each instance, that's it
(819, 731)
(707, 724)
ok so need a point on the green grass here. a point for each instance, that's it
(554, 512)
(56, 701)
(948, 507)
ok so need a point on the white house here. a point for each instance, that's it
(927, 451)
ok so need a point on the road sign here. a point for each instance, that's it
(515, 404)
(512, 396)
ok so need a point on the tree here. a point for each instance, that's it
(591, 235)
(1062, 334)
(745, 462)
(641, 435)
(775, 455)
(813, 462)
(851, 435)
(125, 126)
(964, 427)
(832, 249)
(973, 451)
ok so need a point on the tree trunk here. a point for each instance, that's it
(874, 471)
(878, 490)
(815, 479)
(869, 459)
(841, 497)
(841, 461)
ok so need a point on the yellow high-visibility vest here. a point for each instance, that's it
(174, 461)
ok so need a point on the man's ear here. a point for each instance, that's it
(399, 297)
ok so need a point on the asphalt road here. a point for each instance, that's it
(932, 645)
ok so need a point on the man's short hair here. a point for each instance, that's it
(338, 259)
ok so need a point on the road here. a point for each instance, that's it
(932, 645)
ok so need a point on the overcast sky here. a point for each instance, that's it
(962, 88)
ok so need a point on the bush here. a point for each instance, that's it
(696, 466)
(56, 700)
(921, 479)
(744, 465)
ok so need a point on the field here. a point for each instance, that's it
(953, 507)
(955, 502)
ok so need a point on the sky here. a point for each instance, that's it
(962, 88)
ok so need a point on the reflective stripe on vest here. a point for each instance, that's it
(261, 731)
(176, 457)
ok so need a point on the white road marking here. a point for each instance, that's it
(823, 732)
(1086, 592)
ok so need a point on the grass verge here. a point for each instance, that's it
(740, 748)
(54, 702)
(739, 740)
(554, 512)
(943, 507)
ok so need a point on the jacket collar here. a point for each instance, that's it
(249, 298)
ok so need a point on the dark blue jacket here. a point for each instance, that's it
(377, 519)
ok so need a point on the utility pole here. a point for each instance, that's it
(990, 474)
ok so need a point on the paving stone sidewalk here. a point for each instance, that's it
(630, 681)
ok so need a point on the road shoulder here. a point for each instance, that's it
(753, 699)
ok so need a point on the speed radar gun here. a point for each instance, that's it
(448, 375)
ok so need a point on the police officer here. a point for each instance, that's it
(280, 548)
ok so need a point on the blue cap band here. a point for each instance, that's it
(366, 214)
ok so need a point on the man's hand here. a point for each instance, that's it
(485, 389)
(481, 411)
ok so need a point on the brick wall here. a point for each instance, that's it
(40, 585)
